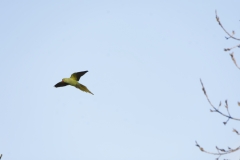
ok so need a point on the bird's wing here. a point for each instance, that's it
(61, 84)
(76, 76)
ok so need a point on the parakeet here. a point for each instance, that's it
(73, 81)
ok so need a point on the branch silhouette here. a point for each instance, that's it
(234, 61)
(217, 110)
(219, 152)
(230, 36)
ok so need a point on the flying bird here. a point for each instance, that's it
(73, 81)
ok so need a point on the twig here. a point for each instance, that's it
(230, 36)
(228, 49)
(234, 61)
(218, 20)
(220, 152)
(217, 110)
(234, 130)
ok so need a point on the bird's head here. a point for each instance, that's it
(63, 80)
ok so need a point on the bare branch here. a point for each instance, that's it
(230, 36)
(234, 130)
(217, 110)
(220, 24)
(234, 61)
(220, 151)
(228, 49)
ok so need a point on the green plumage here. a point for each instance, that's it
(73, 81)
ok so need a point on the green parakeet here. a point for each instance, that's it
(73, 81)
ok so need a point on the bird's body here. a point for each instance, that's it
(70, 81)
(73, 81)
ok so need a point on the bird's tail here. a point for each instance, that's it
(83, 88)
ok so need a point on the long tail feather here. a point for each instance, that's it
(83, 88)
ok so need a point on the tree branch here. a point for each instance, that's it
(229, 49)
(217, 110)
(219, 152)
(234, 61)
(230, 36)
(220, 24)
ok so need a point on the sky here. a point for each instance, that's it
(145, 60)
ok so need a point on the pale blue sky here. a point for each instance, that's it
(144, 59)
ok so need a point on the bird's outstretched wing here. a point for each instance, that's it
(61, 84)
(76, 76)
